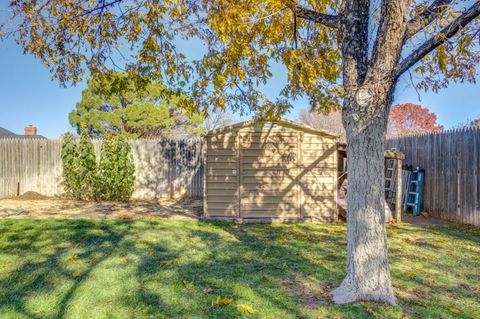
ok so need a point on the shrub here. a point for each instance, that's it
(69, 155)
(116, 170)
(112, 179)
(86, 166)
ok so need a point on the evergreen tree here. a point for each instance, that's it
(119, 103)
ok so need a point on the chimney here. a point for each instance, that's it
(30, 130)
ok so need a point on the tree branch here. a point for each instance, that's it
(437, 40)
(101, 7)
(425, 17)
(332, 21)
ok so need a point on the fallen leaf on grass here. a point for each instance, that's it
(418, 266)
(73, 258)
(169, 262)
(452, 308)
(246, 309)
(222, 301)
(316, 262)
(207, 290)
(410, 274)
(249, 257)
(472, 248)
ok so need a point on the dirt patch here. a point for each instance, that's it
(311, 291)
(29, 196)
(422, 220)
(70, 209)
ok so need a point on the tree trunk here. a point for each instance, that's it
(368, 274)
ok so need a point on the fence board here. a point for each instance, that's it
(452, 164)
(162, 168)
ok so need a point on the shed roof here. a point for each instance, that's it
(279, 121)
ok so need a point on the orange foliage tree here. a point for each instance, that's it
(409, 118)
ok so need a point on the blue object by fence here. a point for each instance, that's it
(413, 197)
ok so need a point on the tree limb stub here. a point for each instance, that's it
(426, 17)
(332, 21)
(437, 40)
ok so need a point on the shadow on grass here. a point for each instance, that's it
(145, 269)
(44, 247)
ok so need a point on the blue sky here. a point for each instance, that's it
(29, 96)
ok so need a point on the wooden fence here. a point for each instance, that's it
(163, 168)
(452, 163)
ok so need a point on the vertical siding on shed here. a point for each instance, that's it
(269, 172)
(274, 171)
(318, 177)
(221, 175)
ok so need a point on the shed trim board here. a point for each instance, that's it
(270, 171)
(285, 122)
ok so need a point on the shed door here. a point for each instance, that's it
(268, 174)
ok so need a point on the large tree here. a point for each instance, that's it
(337, 52)
(116, 103)
(410, 119)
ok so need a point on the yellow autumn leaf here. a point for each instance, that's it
(246, 309)
(452, 308)
(169, 262)
(442, 59)
(222, 301)
(316, 262)
(73, 258)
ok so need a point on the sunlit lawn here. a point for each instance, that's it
(95, 269)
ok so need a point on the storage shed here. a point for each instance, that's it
(270, 171)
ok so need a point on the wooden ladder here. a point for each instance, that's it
(390, 181)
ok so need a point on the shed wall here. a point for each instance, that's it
(274, 171)
(221, 189)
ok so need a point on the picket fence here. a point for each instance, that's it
(163, 168)
(452, 163)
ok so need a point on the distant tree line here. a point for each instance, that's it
(404, 119)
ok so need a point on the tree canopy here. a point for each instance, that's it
(409, 119)
(116, 104)
(241, 40)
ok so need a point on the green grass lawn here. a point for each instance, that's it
(122, 269)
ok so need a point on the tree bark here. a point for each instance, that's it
(368, 274)
(368, 85)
